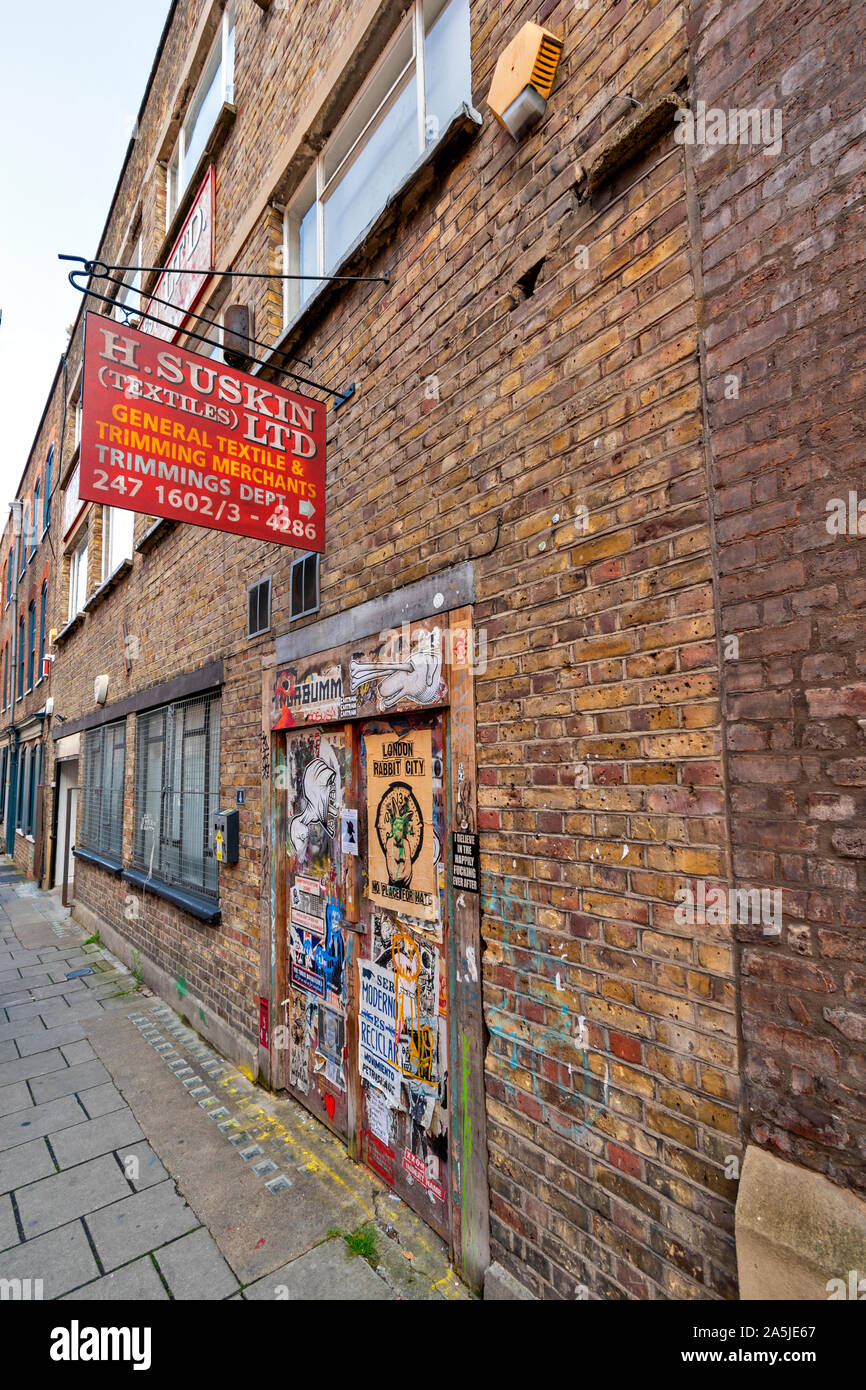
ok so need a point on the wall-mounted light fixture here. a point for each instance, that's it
(100, 690)
(523, 79)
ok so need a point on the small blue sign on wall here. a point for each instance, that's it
(241, 796)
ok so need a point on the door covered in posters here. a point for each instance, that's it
(366, 1009)
(318, 767)
(402, 966)
(370, 967)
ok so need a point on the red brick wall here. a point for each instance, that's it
(783, 250)
(612, 1090)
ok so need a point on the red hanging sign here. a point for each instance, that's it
(169, 433)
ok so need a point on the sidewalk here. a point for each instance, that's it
(136, 1163)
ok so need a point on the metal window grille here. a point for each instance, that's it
(304, 586)
(102, 789)
(259, 608)
(177, 750)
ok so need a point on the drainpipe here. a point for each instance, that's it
(15, 509)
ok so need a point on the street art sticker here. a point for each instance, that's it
(425, 1171)
(315, 964)
(308, 905)
(349, 832)
(401, 844)
(302, 1036)
(379, 1156)
(407, 671)
(315, 818)
(376, 1042)
(316, 696)
(330, 1044)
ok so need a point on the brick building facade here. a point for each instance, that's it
(598, 418)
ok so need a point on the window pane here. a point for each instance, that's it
(81, 579)
(308, 251)
(377, 168)
(361, 113)
(447, 63)
(200, 121)
(186, 783)
(120, 537)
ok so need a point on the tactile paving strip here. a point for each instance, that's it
(177, 1045)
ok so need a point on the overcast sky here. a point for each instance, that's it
(73, 76)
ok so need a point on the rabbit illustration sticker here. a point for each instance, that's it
(401, 842)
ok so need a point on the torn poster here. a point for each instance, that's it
(376, 1029)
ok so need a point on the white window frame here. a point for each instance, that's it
(414, 21)
(77, 568)
(177, 175)
(110, 523)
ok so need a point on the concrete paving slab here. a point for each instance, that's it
(16, 1097)
(140, 1223)
(25, 1164)
(66, 1033)
(77, 1051)
(39, 1121)
(20, 995)
(62, 1259)
(8, 1050)
(22, 1068)
(55, 1200)
(150, 1170)
(328, 1272)
(8, 1225)
(78, 1079)
(12, 1031)
(194, 1268)
(15, 1013)
(254, 1228)
(56, 991)
(138, 1282)
(102, 1100)
(78, 1143)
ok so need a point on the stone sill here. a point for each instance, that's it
(68, 630)
(103, 861)
(161, 527)
(463, 126)
(100, 594)
(627, 142)
(196, 904)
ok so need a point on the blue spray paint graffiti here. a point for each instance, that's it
(515, 911)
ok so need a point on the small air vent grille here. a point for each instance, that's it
(544, 70)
